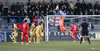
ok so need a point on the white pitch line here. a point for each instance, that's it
(93, 48)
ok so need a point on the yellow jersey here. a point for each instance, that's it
(38, 28)
(15, 28)
(42, 26)
(41, 31)
(32, 27)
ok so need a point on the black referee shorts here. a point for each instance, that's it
(85, 33)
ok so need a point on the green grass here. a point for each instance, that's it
(51, 46)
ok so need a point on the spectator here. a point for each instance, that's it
(51, 12)
(35, 20)
(61, 4)
(97, 12)
(30, 13)
(38, 14)
(9, 14)
(5, 9)
(25, 12)
(62, 12)
(18, 13)
(83, 7)
(29, 2)
(96, 8)
(13, 7)
(17, 6)
(27, 18)
(29, 8)
(34, 14)
(1, 6)
(57, 13)
(13, 18)
(71, 13)
(89, 7)
(96, 5)
(71, 6)
(47, 11)
(40, 20)
(42, 13)
(22, 6)
(67, 4)
(65, 12)
(90, 12)
(77, 8)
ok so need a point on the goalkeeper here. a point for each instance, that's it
(61, 21)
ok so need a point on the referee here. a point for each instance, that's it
(85, 31)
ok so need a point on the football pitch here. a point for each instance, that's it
(51, 46)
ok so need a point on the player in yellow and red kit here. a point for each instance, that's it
(15, 32)
(41, 32)
(32, 32)
(37, 31)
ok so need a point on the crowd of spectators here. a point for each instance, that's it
(40, 9)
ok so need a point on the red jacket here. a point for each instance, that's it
(35, 19)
